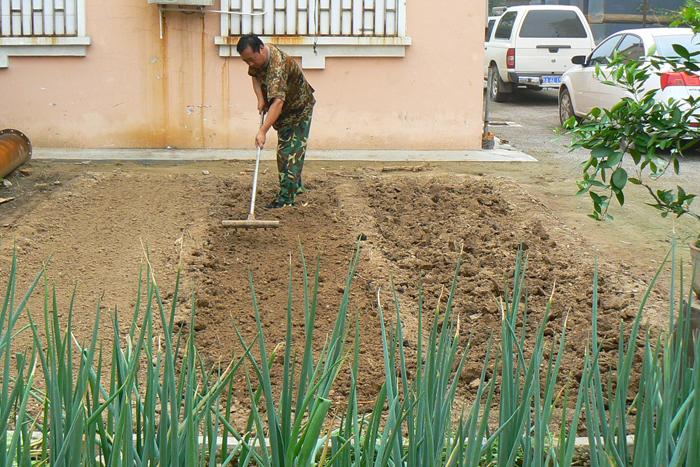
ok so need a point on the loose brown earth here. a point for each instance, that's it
(412, 227)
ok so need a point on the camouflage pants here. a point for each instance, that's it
(291, 150)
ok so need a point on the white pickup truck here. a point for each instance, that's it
(532, 46)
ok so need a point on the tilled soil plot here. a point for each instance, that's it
(413, 228)
(95, 223)
(93, 230)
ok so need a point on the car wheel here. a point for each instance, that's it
(499, 88)
(566, 107)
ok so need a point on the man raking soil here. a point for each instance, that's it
(287, 98)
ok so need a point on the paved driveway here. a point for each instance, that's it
(535, 116)
(638, 236)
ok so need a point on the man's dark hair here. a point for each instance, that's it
(249, 40)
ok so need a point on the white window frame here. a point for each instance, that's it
(72, 45)
(313, 45)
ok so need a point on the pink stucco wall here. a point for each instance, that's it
(134, 90)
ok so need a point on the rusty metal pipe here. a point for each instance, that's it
(15, 150)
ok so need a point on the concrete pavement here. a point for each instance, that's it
(499, 154)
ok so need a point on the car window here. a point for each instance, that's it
(553, 23)
(489, 28)
(601, 55)
(631, 47)
(664, 44)
(505, 25)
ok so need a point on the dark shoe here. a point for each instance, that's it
(276, 204)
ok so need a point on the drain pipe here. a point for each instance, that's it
(15, 150)
(487, 138)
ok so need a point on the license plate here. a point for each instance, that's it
(551, 80)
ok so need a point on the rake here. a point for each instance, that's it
(251, 222)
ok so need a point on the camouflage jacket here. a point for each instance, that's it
(282, 79)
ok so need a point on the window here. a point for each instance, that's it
(505, 25)
(38, 28)
(315, 17)
(601, 55)
(489, 28)
(664, 44)
(25, 19)
(631, 47)
(316, 29)
(551, 24)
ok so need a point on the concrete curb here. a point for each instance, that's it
(581, 444)
(500, 154)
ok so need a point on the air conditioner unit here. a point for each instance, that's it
(183, 2)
